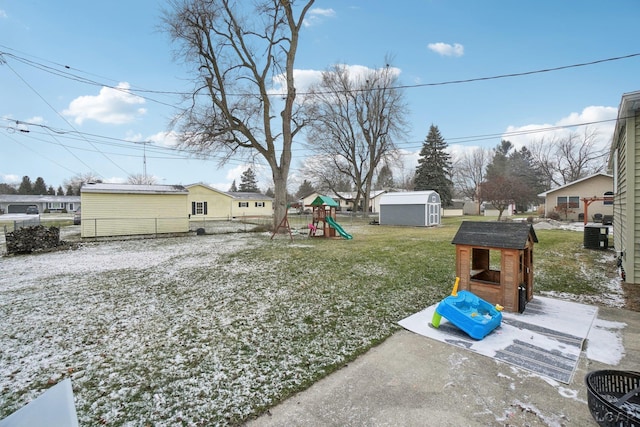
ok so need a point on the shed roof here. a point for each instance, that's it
(505, 235)
(410, 197)
(100, 187)
(324, 200)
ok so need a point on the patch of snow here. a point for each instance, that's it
(604, 342)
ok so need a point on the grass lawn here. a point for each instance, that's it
(214, 329)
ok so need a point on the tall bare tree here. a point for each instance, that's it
(469, 171)
(238, 54)
(354, 120)
(564, 160)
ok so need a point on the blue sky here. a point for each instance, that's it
(79, 128)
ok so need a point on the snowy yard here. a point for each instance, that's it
(168, 331)
(204, 330)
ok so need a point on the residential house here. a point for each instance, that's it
(568, 200)
(18, 203)
(346, 200)
(624, 161)
(245, 204)
(133, 209)
(206, 203)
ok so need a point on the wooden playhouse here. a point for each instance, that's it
(494, 260)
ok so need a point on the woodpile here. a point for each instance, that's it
(31, 239)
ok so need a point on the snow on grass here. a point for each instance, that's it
(180, 330)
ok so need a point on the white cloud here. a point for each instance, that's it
(315, 16)
(11, 179)
(446, 49)
(165, 139)
(598, 118)
(304, 79)
(3, 14)
(112, 106)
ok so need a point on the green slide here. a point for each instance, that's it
(339, 229)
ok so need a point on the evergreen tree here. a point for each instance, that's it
(233, 187)
(248, 182)
(305, 189)
(60, 191)
(70, 190)
(385, 178)
(269, 192)
(51, 191)
(25, 186)
(39, 187)
(434, 167)
(7, 189)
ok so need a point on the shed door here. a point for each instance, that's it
(434, 214)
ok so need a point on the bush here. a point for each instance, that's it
(554, 216)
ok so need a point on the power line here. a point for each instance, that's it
(412, 86)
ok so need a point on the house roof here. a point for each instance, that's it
(44, 198)
(410, 197)
(505, 235)
(244, 195)
(324, 200)
(208, 187)
(629, 104)
(553, 190)
(100, 187)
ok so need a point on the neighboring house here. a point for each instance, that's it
(250, 204)
(417, 208)
(568, 202)
(17, 203)
(346, 200)
(487, 209)
(456, 208)
(133, 209)
(207, 203)
(624, 161)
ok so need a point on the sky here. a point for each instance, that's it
(479, 71)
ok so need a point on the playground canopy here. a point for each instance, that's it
(324, 200)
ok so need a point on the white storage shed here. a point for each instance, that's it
(417, 208)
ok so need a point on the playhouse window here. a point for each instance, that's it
(485, 265)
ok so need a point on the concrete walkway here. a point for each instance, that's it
(410, 380)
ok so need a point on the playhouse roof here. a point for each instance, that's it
(505, 235)
(324, 200)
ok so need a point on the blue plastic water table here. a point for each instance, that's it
(468, 312)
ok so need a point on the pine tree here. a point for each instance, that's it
(233, 187)
(248, 182)
(60, 191)
(434, 167)
(39, 187)
(305, 189)
(385, 178)
(51, 191)
(25, 186)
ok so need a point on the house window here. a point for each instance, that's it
(570, 202)
(55, 205)
(259, 204)
(198, 208)
(243, 204)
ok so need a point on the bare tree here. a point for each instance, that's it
(354, 120)
(469, 172)
(74, 184)
(564, 160)
(237, 55)
(141, 179)
(501, 191)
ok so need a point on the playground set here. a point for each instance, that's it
(324, 219)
